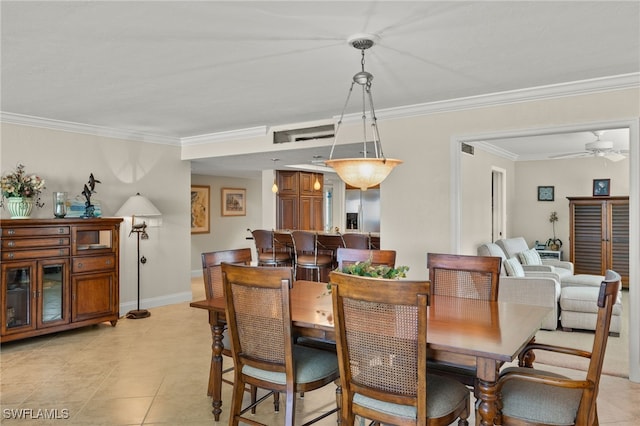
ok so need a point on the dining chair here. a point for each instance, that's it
(306, 255)
(349, 256)
(258, 313)
(212, 274)
(471, 277)
(268, 249)
(381, 337)
(356, 241)
(537, 397)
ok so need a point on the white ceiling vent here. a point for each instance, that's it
(304, 134)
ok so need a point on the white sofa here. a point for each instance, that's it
(512, 247)
(535, 288)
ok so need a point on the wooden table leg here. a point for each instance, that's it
(215, 374)
(488, 370)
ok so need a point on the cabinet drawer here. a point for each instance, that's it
(34, 242)
(93, 263)
(35, 232)
(35, 254)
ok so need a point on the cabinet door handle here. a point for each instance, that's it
(11, 244)
(61, 241)
(108, 262)
(11, 231)
(80, 265)
(60, 230)
(10, 255)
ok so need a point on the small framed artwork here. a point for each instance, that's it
(200, 214)
(601, 187)
(234, 202)
(546, 193)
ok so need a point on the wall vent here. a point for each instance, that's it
(304, 134)
(466, 148)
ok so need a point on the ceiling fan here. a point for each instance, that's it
(597, 148)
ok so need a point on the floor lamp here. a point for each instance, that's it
(138, 206)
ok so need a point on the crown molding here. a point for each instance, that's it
(88, 129)
(603, 84)
(595, 85)
(495, 150)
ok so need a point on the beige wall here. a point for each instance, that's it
(226, 232)
(124, 167)
(571, 178)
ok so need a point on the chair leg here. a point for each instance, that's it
(290, 408)
(236, 403)
(339, 403)
(276, 402)
(254, 396)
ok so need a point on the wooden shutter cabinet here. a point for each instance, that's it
(599, 235)
(300, 206)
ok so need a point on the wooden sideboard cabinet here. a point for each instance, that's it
(599, 235)
(58, 274)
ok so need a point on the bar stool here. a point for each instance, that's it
(356, 241)
(269, 252)
(306, 256)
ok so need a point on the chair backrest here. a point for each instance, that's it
(512, 246)
(381, 339)
(259, 316)
(349, 256)
(304, 242)
(471, 277)
(609, 289)
(492, 249)
(263, 239)
(212, 272)
(356, 241)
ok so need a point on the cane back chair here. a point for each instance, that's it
(381, 336)
(349, 256)
(259, 317)
(536, 397)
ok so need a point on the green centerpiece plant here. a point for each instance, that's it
(366, 269)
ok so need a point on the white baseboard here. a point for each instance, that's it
(154, 302)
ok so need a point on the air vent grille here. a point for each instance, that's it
(467, 149)
(304, 134)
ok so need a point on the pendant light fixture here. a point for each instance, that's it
(367, 171)
(274, 188)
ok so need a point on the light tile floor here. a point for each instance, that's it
(154, 371)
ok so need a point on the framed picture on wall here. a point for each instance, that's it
(234, 202)
(601, 187)
(546, 193)
(200, 214)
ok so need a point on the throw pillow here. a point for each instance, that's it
(513, 267)
(530, 257)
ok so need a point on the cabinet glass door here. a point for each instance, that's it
(19, 281)
(52, 301)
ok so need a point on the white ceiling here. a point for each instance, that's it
(179, 69)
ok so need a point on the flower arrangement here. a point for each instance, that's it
(19, 184)
(554, 243)
(366, 269)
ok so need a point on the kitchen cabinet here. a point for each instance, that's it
(58, 274)
(599, 235)
(299, 205)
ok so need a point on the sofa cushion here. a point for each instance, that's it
(530, 257)
(513, 267)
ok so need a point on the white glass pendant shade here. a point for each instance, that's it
(363, 173)
(274, 188)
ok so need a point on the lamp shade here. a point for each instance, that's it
(137, 206)
(363, 173)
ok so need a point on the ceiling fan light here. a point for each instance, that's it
(363, 173)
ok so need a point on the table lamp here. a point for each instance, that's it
(138, 206)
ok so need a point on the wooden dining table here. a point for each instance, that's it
(491, 332)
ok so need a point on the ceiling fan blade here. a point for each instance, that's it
(614, 156)
(572, 155)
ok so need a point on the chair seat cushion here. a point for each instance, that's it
(310, 260)
(311, 365)
(269, 257)
(582, 280)
(443, 396)
(585, 299)
(539, 403)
